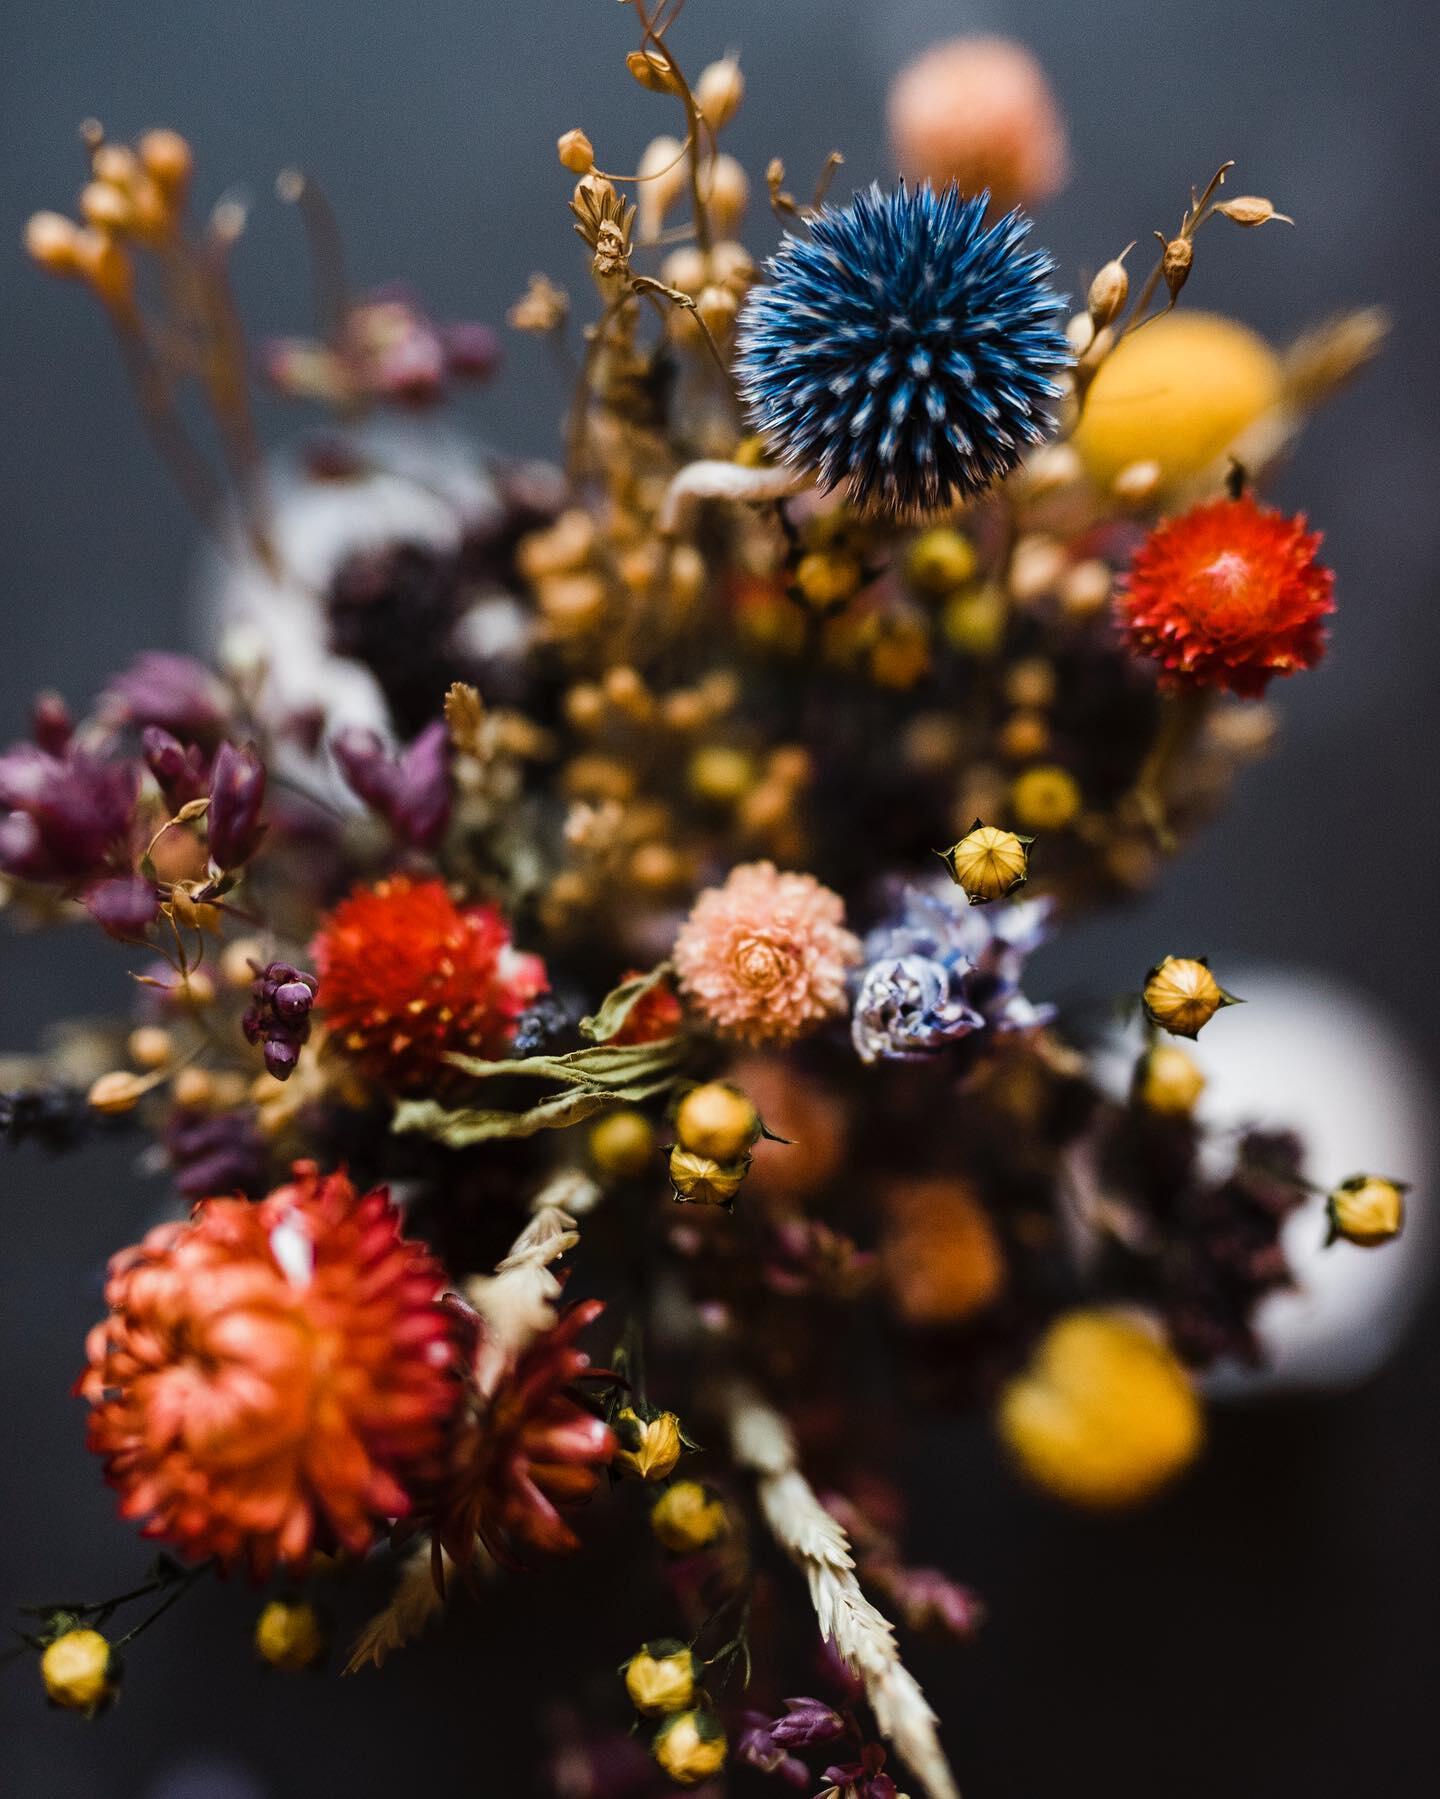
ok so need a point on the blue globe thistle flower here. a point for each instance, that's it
(943, 970)
(905, 349)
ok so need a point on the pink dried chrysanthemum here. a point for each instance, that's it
(764, 957)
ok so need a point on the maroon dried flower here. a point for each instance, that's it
(279, 1015)
(70, 815)
(50, 723)
(757, 1748)
(179, 769)
(175, 692)
(410, 791)
(125, 906)
(237, 792)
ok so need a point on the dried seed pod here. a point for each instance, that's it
(576, 152)
(1182, 996)
(719, 91)
(988, 863)
(1109, 291)
(662, 177)
(51, 243)
(726, 190)
(1176, 257)
(1367, 1210)
(1251, 210)
(652, 71)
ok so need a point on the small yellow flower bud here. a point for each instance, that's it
(1045, 798)
(1104, 1415)
(51, 243)
(718, 1121)
(1168, 1081)
(81, 1672)
(974, 621)
(988, 863)
(719, 91)
(688, 1516)
(827, 578)
(702, 1181)
(150, 1046)
(721, 775)
(649, 1447)
(622, 1143)
(1109, 291)
(662, 1677)
(289, 1635)
(690, 1747)
(576, 152)
(940, 560)
(1367, 1210)
(1182, 996)
(117, 1092)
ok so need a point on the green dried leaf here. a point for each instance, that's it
(618, 1004)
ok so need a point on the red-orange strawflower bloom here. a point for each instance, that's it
(273, 1377)
(524, 1451)
(407, 976)
(1227, 595)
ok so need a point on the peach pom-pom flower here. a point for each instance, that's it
(764, 958)
(273, 1378)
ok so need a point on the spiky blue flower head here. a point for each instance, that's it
(905, 350)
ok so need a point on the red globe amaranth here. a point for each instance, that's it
(275, 1377)
(654, 1016)
(407, 976)
(1227, 595)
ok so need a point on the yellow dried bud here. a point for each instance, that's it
(575, 151)
(688, 1516)
(1109, 291)
(51, 243)
(117, 1092)
(168, 161)
(717, 307)
(702, 1181)
(720, 774)
(116, 163)
(974, 622)
(1045, 798)
(1024, 736)
(1367, 1210)
(106, 207)
(719, 91)
(662, 1677)
(649, 1447)
(1037, 565)
(150, 1046)
(289, 1635)
(1168, 1081)
(1136, 482)
(622, 1143)
(652, 71)
(236, 959)
(988, 863)
(193, 1088)
(81, 1672)
(1251, 210)
(1175, 261)
(827, 578)
(717, 1120)
(725, 188)
(940, 560)
(690, 1747)
(1104, 1415)
(1031, 682)
(686, 576)
(1182, 996)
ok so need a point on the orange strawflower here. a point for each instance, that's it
(1227, 595)
(272, 1377)
(406, 976)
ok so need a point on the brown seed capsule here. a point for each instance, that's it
(118, 1092)
(1367, 1210)
(726, 191)
(702, 1181)
(622, 1143)
(719, 91)
(105, 207)
(652, 71)
(150, 1046)
(194, 1088)
(988, 863)
(168, 160)
(1251, 210)
(575, 151)
(717, 1120)
(1109, 291)
(1168, 1081)
(1175, 261)
(1182, 996)
(663, 176)
(1046, 798)
(684, 269)
(717, 307)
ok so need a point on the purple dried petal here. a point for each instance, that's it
(807, 1721)
(179, 771)
(423, 794)
(123, 907)
(50, 723)
(175, 692)
(472, 350)
(237, 793)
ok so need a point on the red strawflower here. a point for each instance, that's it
(407, 976)
(1227, 595)
(654, 1016)
(273, 1376)
(525, 1450)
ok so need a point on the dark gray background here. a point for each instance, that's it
(1269, 1631)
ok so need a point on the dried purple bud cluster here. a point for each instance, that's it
(279, 1015)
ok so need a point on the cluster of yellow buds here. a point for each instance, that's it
(716, 1127)
(663, 1680)
(136, 196)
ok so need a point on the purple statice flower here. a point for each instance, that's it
(279, 1014)
(411, 790)
(943, 970)
(177, 693)
(179, 769)
(69, 815)
(237, 792)
(865, 1779)
(757, 1748)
